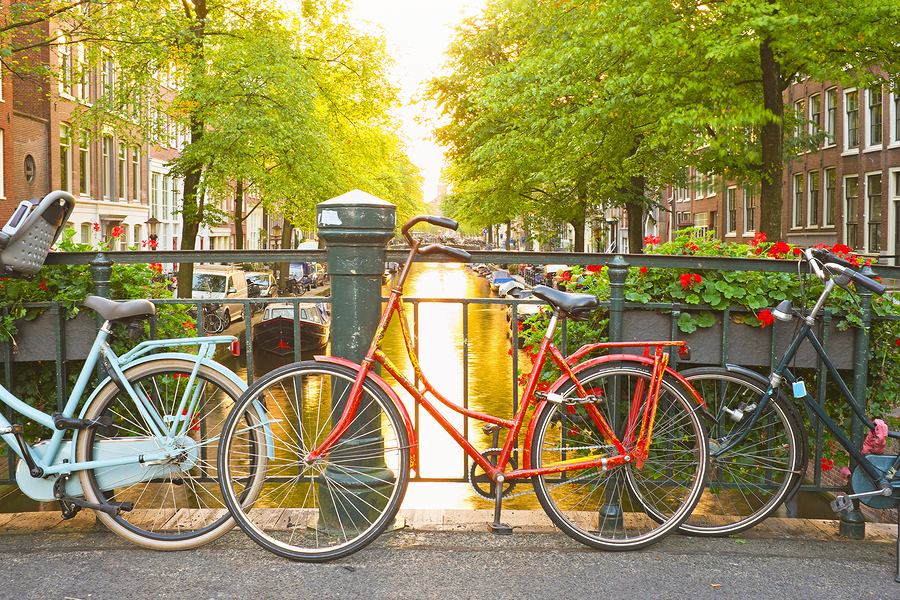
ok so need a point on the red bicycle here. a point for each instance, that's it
(615, 448)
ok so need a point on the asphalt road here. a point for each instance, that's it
(441, 565)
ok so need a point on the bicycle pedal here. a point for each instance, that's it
(841, 505)
(500, 528)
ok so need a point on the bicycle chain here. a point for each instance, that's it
(531, 490)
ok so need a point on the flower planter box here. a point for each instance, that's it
(36, 340)
(747, 346)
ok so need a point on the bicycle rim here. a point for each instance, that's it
(177, 503)
(626, 507)
(343, 500)
(749, 483)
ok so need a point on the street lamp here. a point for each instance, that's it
(153, 223)
(276, 233)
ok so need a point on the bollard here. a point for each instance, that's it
(356, 227)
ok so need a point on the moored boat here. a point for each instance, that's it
(275, 332)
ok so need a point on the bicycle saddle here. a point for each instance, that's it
(113, 311)
(577, 307)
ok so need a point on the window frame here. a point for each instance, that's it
(829, 208)
(798, 201)
(874, 119)
(851, 120)
(812, 193)
(851, 212)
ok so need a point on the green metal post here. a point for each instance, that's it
(355, 227)
(618, 273)
(611, 511)
(853, 524)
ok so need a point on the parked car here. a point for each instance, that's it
(261, 285)
(225, 282)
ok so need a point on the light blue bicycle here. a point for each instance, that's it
(141, 450)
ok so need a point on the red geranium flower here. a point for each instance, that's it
(765, 318)
(595, 268)
(643, 270)
(760, 238)
(779, 250)
(688, 280)
(651, 240)
(117, 231)
(96, 226)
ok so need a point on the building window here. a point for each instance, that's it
(135, 175)
(165, 198)
(154, 195)
(701, 220)
(800, 113)
(66, 72)
(851, 105)
(830, 191)
(815, 113)
(830, 116)
(851, 202)
(750, 197)
(731, 210)
(873, 202)
(65, 159)
(797, 220)
(107, 78)
(875, 117)
(86, 233)
(84, 166)
(896, 96)
(137, 236)
(106, 156)
(812, 210)
(120, 184)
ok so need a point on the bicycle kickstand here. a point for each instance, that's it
(498, 528)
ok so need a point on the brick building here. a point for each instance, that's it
(847, 192)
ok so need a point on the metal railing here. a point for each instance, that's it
(618, 265)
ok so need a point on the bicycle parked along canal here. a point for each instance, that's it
(615, 449)
(759, 448)
(141, 451)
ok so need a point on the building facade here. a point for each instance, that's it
(847, 191)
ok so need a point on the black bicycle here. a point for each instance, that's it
(758, 446)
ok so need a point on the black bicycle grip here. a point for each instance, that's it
(870, 284)
(826, 256)
(444, 222)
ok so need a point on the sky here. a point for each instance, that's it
(417, 35)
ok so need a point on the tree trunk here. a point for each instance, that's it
(239, 216)
(508, 233)
(192, 208)
(772, 140)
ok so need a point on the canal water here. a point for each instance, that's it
(441, 344)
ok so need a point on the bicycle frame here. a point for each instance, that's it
(53, 462)
(632, 448)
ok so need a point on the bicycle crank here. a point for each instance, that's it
(483, 484)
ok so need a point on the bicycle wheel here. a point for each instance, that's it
(212, 323)
(629, 506)
(341, 501)
(177, 503)
(750, 481)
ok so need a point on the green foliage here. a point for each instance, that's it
(35, 382)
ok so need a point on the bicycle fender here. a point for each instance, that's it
(635, 358)
(377, 380)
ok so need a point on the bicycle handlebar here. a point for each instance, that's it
(444, 222)
(818, 258)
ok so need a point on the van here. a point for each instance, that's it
(220, 281)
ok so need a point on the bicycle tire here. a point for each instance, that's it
(345, 499)
(627, 507)
(176, 506)
(213, 323)
(751, 481)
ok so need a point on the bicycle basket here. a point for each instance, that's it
(26, 238)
